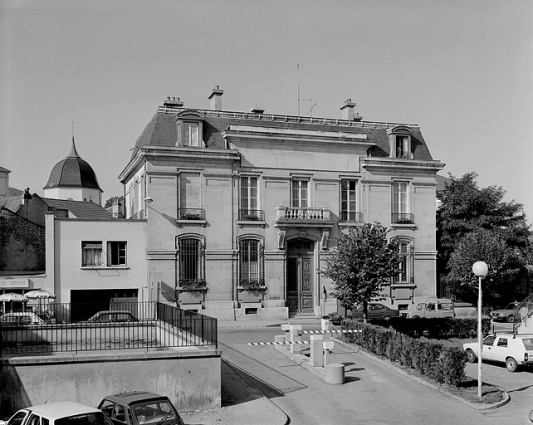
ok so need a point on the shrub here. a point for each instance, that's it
(431, 359)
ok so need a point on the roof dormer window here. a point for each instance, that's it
(400, 142)
(190, 129)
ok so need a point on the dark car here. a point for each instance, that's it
(507, 314)
(139, 408)
(376, 312)
(112, 316)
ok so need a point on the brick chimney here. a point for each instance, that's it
(215, 99)
(347, 109)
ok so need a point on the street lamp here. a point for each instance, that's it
(148, 200)
(480, 269)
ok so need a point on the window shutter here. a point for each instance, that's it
(190, 190)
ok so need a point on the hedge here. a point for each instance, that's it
(445, 365)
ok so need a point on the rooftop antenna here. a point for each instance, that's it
(298, 82)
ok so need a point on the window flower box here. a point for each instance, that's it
(251, 290)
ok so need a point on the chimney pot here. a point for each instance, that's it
(215, 99)
(257, 110)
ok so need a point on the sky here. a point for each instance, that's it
(461, 69)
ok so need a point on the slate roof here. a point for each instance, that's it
(72, 172)
(80, 209)
(12, 203)
(162, 129)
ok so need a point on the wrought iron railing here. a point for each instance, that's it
(191, 214)
(251, 215)
(352, 217)
(403, 280)
(402, 218)
(68, 327)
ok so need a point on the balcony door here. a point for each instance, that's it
(300, 275)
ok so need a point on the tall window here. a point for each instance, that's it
(250, 260)
(348, 200)
(399, 197)
(190, 253)
(406, 266)
(300, 193)
(91, 254)
(249, 194)
(190, 134)
(116, 253)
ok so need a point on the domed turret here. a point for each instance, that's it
(73, 178)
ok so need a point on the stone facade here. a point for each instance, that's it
(234, 199)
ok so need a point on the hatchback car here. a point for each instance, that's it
(376, 312)
(58, 413)
(112, 316)
(513, 350)
(21, 318)
(508, 314)
(139, 408)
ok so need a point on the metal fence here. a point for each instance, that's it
(67, 327)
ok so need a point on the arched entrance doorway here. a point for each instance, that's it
(300, 275)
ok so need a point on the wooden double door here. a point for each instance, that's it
(300, 275)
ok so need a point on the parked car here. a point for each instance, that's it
(60, 413)
(140, 407)
(508, 314)
(513, 350)
(21, 318)
(376, 312)
(431, 309)
(112, 316)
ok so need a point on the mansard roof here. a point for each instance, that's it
(162, 129)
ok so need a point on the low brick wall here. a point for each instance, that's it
(189, 376)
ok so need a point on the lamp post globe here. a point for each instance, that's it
(480, 268)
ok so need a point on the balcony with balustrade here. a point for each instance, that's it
(304, 216)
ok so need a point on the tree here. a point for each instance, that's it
(490, 246)
(466, 209)
(362, 264)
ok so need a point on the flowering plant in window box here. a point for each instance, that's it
(190, 216)
(404, 221)
(251, 217)
(193, 285)
(252, 285)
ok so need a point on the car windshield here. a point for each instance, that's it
(153, 412)
(528, 343)
(85, 419)
(511, 306)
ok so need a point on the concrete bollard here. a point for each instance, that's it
(317, 353)
(335, 374)
(295, 333)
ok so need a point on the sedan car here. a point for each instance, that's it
(58, 413)
(112, 316)
(21, 318)
(513, 350)
(508, 314)
(376, 312)
(139, 408)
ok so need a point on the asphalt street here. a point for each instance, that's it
(374, 393)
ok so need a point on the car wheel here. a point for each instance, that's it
(470, 356)
(510, 318)
(416, 317)
(386, 318)
(511, 364)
